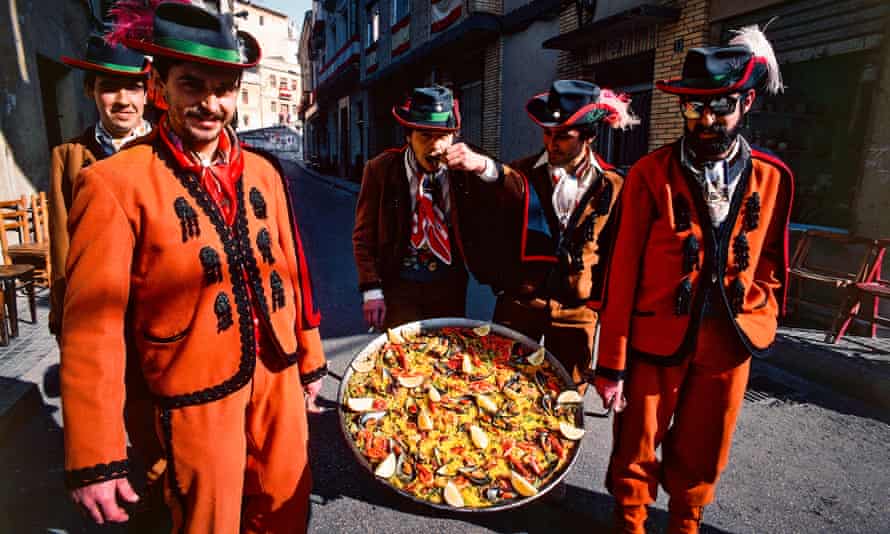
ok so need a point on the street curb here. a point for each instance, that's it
(19, 402)
(338, 183)
(854, 377)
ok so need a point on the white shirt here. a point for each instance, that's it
(569, 189)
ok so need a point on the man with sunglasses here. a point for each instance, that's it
(696, 284)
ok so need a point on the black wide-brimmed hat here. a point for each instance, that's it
(747, 63)
(114, 60)
(577, 103)
(429, 108)
(190, 33)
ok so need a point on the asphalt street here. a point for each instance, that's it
(805, 459)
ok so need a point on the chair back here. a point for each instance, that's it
(13, 218)
(40, 217)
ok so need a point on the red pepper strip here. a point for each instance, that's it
(378, 404)
(403, 360)
(519, 468)
(533, 463)
(508, 444)
(457, 450)
(557, 446)
(424, 474)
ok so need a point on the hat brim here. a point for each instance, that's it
(537, 110)
(109, 68)
(401, 116)
(753, 73)
(253, 51)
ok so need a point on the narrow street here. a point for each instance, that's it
(805, 459)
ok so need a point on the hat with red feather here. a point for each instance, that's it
(747, 63)
(180, 30)
(577, 104)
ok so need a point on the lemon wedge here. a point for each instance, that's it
(570, 396)
(483, 330)
(452, 495)
(537, 357)
(364, 364)
(387, 467)
(424, 421)
(479, 437)
(486, 403)
(393, 336)
(434, 394)
(570, 432)
(466, 366)
(360, 404)
(411, 382)
(522, 486)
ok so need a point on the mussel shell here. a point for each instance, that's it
(541, 381)
(476, 476)
(493, 494)
(400, 468)
(368, 416)
(547, 403)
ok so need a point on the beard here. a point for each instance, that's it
(714, 146)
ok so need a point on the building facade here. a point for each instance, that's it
(270, 92)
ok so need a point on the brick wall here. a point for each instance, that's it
(491, 97)
(692, 28)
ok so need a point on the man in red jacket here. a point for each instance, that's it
(696, 285)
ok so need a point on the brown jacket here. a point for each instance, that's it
(666, 251)
(382, 229)
(155, 272)
(567, 268)
(68, 159)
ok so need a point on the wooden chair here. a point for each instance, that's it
(802, 269)
(873, 287)
(32, 226)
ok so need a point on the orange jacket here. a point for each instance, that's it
(653, 301)
(154, 272)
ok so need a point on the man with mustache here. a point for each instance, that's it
(115, 80)
(696, 285)
(185, 258)
(569, 194)
(424, 211)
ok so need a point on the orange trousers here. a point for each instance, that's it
(703, 396)
(568, 332)
(240, 464)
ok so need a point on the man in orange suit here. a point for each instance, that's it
(194, 270)
(696, 284)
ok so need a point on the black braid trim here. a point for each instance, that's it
(264, 245)
(234, 257)
(736, 296)
(188, 219)
(212, 268)
(683, 304)
(752, 212)
(682, 214)
(258, 203)
(742, 252)
(312, 376)
(249, 259)
(78, 478)
(611, 374)
(690, 254)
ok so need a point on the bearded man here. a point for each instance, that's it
(695, 287)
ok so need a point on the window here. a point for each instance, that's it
(373, 32)
(244, 98)
(293, 85)
(400, 9)
(246, 120)
(294, 108)
(262, 20)
(272, 81)
(273, 105)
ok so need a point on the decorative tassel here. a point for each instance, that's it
(741, 251)
(258, 203)
(223, 309)
(577, 258)
(752, 212)
(605, 199)
(682, 215)
(737, 296)
(690, 254)
(683, 305)
(589, 227)
(277, 291)
(212, 267)
(264, 244)
(188, 219)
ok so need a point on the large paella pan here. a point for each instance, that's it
(461, 415)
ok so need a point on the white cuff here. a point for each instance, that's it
(490, 174)
(372, 294)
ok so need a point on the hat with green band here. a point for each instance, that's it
(110, 60)
(429, 108)
(190, 33)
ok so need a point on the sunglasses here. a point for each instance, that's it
(720, 106)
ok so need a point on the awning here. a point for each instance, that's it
(642, 16)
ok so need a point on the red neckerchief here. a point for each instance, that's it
(220, 177)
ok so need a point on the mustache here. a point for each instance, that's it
(202, 114)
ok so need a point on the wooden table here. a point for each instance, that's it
(8, 276)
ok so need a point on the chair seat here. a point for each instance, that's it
(29, 249)
(875, 289)
(14, 271)
(822, 276)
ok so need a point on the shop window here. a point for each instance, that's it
(373, 30)
(400, 10)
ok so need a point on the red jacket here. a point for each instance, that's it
(666, 246)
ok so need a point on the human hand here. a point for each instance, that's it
(375, 312)
(100, 500)
(611, 392)
(312, 390)
(460, 157)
